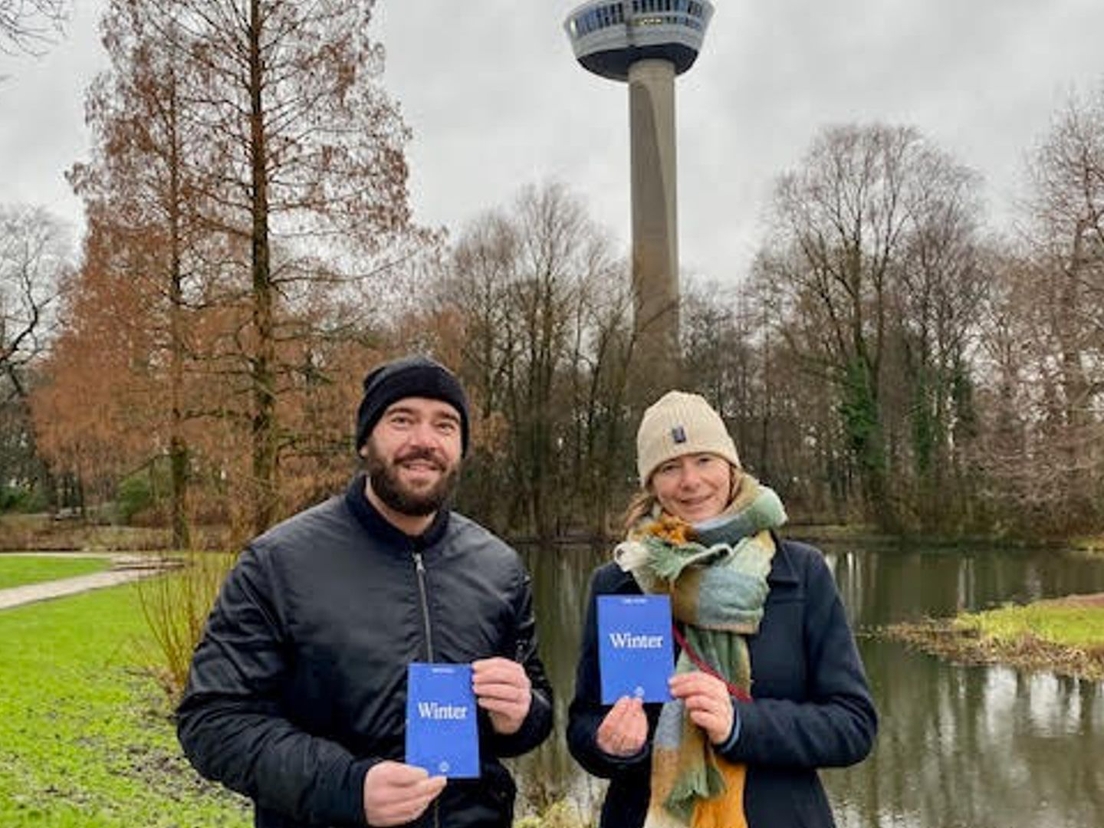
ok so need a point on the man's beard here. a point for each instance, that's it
(387, 485)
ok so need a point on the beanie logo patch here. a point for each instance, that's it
(678, 434)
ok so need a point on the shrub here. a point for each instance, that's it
(176, 608)
(135, 494)
(21, 499)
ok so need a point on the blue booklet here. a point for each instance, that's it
(442, 732)
(635, 653)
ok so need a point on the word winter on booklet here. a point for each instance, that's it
(442, 733)
(635, 653)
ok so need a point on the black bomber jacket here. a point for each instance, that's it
(298, 685)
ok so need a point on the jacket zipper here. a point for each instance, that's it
(419, 568)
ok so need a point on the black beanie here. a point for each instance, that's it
(411, 376)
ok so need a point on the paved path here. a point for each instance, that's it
(16, 596)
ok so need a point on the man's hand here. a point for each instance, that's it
(708, 703)
(624, 729)
(396, 793)
(503, 689)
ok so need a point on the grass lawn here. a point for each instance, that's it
(1062, 635)
(20, 570)
(1067, 622)
(85, 736)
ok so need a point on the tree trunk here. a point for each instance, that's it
(263, 357)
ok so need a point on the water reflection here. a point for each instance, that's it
(975, 747)
(958, 746)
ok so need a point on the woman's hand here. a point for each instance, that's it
(707, 702)
(624, 729)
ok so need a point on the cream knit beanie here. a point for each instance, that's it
(677, 424)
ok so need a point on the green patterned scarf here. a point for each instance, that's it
(716, 575)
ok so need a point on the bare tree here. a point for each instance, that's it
(1051, 311)
(939, 285)
(873, 222)
(542, 303)
(31, 25)
(34, 257)
(1068, 214)
(736, 358)
(797, 437)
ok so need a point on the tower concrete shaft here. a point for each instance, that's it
(654, 223)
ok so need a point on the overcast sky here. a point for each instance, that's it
(496, 101)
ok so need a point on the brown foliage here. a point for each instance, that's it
(246, 183)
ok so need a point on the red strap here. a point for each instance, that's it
(738, 693)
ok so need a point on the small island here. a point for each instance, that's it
(1060, 635)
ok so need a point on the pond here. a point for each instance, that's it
(958, 747)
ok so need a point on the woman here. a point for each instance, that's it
(768, 685)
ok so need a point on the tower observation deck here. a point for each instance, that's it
(647, 43)
(609, 36)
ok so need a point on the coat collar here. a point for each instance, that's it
(782, 566)
(378, 526)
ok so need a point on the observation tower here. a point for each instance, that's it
(647, 43)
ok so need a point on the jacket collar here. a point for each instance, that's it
(782, 568)
(378, 526)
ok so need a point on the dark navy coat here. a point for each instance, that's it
(810, 707)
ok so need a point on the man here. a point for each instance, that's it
(297, 692)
